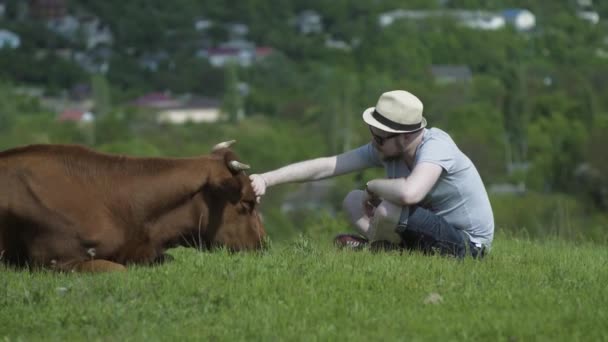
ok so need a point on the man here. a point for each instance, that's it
(433, 199)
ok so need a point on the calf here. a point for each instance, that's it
(68, 207)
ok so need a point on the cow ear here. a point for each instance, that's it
(231, 188)
(232, 163)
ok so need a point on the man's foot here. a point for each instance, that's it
(350, 241)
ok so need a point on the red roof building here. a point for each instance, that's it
(76, 115)
(156, 100)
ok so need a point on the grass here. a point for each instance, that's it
(306, 290)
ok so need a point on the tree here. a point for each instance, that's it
(233, 100)
(101, 95)
(556, 145)
(478, 130)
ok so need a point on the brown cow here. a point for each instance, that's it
(70, 208)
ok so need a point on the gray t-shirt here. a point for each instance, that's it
(459, 195)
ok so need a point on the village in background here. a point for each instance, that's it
(519, 87)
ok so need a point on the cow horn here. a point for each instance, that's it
(224, 144)
(238, 166)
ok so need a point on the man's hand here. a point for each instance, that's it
(370, 202)
(259, 185)
(369, 209)
(372, 198)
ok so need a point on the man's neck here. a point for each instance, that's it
(410, 152)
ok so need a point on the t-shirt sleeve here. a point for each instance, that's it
(437, 152)
(368, 154)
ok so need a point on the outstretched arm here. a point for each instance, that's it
(309, 170)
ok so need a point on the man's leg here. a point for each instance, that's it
(383, 225)
(377, 224)
(426, 231)
(355, 212)
(359, 215)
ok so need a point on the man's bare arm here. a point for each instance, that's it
(309, 170)
(410, 190)
(315, 169)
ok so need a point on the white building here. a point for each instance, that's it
(87, 27)
(520, 19)
(202, 24)
(591, 16)
(480, 20)
(388, 18)
(9, 40)
(66, 26)
(239, 52)
(95, 33)
(308, 22)
(198, 111)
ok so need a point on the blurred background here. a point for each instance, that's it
(520, 85)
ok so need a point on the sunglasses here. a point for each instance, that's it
(381, 140)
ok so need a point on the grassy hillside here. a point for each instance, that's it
(306, 290)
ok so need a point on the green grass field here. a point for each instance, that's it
(306, 290)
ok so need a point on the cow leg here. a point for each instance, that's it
(99, 265)
(91, 266)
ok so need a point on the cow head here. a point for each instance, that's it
(232, 218)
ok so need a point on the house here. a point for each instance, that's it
(336, 44)
(202, 24)
(589, 15)
(445, 74)
(388, 18)
(480, 20)
(520, 19)
(156, 100)
(180, 110)
(239, 52)
(9, 40)
(194, 110)
(95, 32)
(48, 9)
(76, 115)
(586, 12)
(87, 28)
(219, 57)
(308, 22)
(66, 26)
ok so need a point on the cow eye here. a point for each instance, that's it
(249, 204)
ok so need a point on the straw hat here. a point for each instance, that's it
(397, 111)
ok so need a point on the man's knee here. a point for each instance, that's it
(387, 213)
(384, 223)
(352, 202)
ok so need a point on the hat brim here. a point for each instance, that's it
(370, 120)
